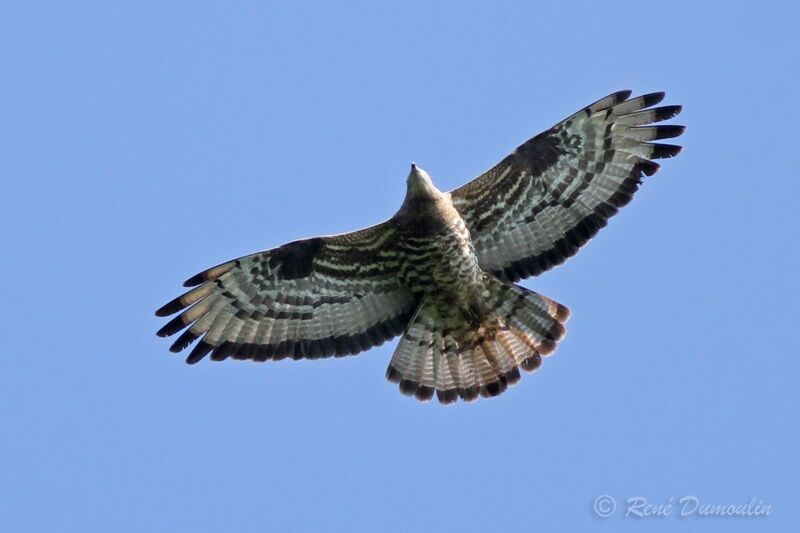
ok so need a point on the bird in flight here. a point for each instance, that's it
(441, 272)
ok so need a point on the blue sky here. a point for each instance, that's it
(142, 142)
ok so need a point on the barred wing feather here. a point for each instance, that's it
(544, 201)
(311, 298)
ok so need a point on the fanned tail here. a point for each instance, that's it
(455, 354)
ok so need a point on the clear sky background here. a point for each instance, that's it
(141, 142)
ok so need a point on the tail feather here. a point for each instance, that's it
(508, 363)
(445, 352)
(493, 379)
(411, 356)
(446, 372)
(467, 388)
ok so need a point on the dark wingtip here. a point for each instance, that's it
(667, 112)
(201, 350)
(663, 151)
(170, 308)
(648, 168)
(186, 338)
(621, 96)
(195, 280)
(669, 131)
(223, 351)
(607, 102)
(172, 327)
(652, 99)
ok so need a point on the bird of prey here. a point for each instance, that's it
(441, 272)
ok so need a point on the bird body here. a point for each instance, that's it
(441, 271)
(437, 253)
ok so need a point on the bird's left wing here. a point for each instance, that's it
(317, 297)
(545, 200)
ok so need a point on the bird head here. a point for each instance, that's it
(420, 183)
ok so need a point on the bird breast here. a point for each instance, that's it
(443, 263)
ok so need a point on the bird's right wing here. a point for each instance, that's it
(545, 200)
(317, 297)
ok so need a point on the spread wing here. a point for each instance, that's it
(540, 204)
(311, 298)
